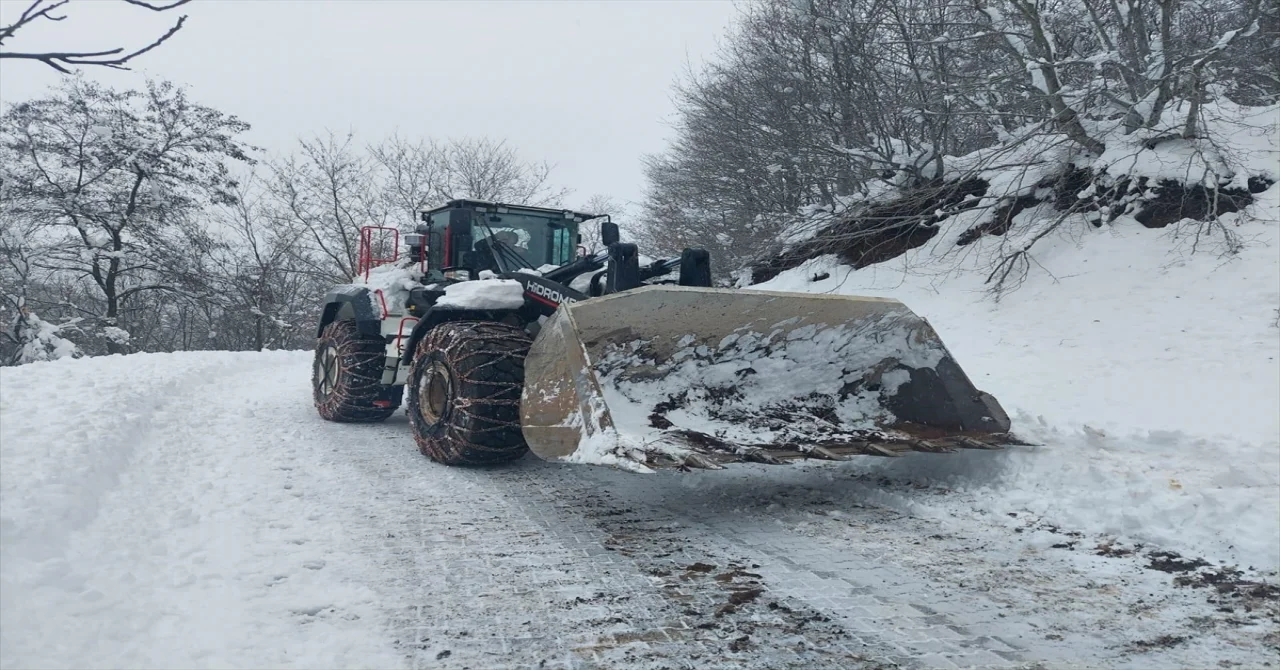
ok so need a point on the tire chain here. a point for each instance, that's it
(484, 428)
(359, 376)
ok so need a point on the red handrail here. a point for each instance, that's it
(400, 333)
(366, 260)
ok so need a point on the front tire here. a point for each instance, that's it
(464, 393)
(346, 378)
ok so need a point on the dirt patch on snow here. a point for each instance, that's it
(880, 232)
(1245, 600)
(1162, 642)
(1168, 561)
(713, 608)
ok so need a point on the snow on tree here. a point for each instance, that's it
(116, 182)
(38, 340)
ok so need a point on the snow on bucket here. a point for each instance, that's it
(670, 375)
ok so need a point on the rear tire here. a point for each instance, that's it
(346, 378)
(464, 393)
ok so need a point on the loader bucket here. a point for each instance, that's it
(685, 376)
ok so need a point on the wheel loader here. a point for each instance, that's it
(503, 335)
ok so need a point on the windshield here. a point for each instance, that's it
(512, 240)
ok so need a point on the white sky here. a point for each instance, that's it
(584, 84)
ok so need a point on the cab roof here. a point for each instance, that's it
(484, 205)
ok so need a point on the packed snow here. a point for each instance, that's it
(483, 294)
(190, 510)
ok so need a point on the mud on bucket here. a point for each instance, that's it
(669, 375)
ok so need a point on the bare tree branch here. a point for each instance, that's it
(64, 61)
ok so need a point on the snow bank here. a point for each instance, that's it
(483, 294)
(1151, 374)
(1240, 142)
(1206, 497)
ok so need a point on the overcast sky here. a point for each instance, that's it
(584, 84)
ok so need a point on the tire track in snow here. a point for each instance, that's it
(586, 567)
(508, 567)
(947, 590)
(880, 619)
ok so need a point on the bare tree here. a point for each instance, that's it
(487, 169)
(333, 187)
(264, 297)
(63, 61)
(414, 176)
(116, 180)
(326, 193)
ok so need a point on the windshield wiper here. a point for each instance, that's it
(510, 253)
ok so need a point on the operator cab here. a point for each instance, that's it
(467, 237)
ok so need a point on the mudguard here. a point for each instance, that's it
(541, 299)
(349, 301)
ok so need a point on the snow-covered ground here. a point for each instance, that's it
(1145, 361)
(191, 510)
(148, 518)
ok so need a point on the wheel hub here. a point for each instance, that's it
(435, 391)
(327, 366)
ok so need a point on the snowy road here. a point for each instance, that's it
(193, 511)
